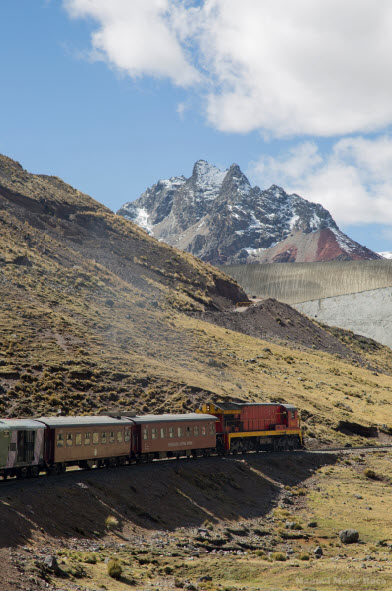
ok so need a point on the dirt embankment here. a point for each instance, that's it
(39, 517)
(275, 321)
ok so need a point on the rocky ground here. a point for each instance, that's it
(267, 521)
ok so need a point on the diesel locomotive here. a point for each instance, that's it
(28, 447)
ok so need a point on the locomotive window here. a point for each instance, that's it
(145, 433)
(188, 431)
(95, 438)
(293, 414)
(111, 436)
(154, 433)
(204, 430)
(127, 435)
(104, 437)
(78, 439)
(87, 438)
(196, 431)
(60, 440)
(171, 432)
(163, 433)
(180, 431)
(69, 439)
(119, 436)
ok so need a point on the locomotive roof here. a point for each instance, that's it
(240, 405)
(23, 424)
(168, 418)
(81, 421)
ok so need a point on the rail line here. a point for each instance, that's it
(14, 481)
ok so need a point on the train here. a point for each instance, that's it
(51, 444)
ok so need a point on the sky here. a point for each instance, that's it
(113, 95)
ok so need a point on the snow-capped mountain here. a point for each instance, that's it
(217, 216)
(385, 255)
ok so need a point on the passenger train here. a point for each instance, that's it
(50, 444)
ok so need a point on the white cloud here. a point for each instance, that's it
(139, 37)
(317, 67)
(181, 108)
(353, 181)
(284, 67)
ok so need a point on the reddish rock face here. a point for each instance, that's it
(323, 245)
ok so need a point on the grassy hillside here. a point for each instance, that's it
(97, 315)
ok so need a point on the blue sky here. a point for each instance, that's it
(111, 96)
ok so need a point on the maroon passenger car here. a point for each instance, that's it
(161, 436)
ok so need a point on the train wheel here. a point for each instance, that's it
(34, 471)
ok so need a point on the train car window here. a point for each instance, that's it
(69, 440)
(104, 437)
(127, 435)
(188, 431)
(163, 433)
(119, 436)
(196, 431)
(204, 430)
(87, 438)
(180, 431)
(6, 433)
(212, 428)
(60, 440)
(12, 447)
(154, 433)
(111, 436)
(171, 432)
(78, 439)
(145, 433)
(95, 438)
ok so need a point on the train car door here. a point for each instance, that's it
(25, 446)
(136, 439)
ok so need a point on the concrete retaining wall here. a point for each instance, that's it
(301, 282)
(368, 313)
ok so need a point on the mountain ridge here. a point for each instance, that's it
(220, 218)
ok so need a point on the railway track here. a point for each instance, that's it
(362, 447)
(75, 471)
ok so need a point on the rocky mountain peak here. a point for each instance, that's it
(207, 179)
(277, 192)
(218, 216)
(235, 181)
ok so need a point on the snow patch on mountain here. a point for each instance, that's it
(169, 184)
(385, 255)
(344, 241)
(142, 219)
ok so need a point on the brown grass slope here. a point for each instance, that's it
(97, 315)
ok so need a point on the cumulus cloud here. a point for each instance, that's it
(140, 37)
(353, 180)
(310, 67)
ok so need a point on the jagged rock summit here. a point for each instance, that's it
(220, 218)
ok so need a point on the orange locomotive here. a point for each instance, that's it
(243, 427)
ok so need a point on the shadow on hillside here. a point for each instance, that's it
(162, 496)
